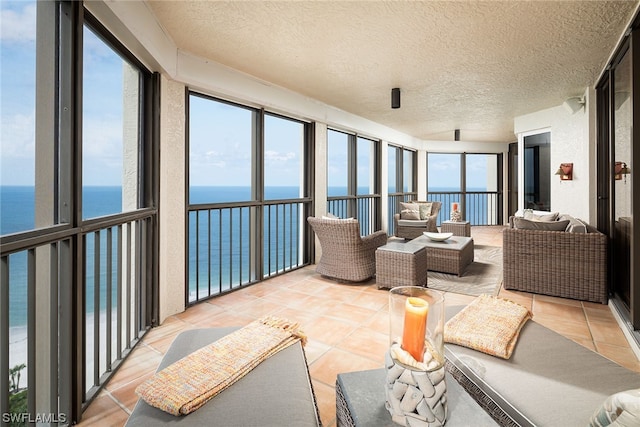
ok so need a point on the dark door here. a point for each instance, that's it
(512, 189)
(537, 172)
(621, 194)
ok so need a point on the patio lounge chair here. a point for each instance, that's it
(345, 254)
(412, 228)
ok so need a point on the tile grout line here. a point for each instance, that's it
(586, 319)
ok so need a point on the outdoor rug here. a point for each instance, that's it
(482, 276)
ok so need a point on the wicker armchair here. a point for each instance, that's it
(558, 263)
(345, 254)
(410, 229)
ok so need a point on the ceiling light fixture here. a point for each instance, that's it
(395, 97)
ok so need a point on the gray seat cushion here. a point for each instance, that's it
(277, 392)
(548, 381)
(413, 222)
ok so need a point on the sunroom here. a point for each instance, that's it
(157, 156)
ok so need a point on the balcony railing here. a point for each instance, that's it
(477, 207)
(365, 210)
(226, 240)
(44, 319)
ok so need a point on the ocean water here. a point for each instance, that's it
(228, 250)
(17, 214)
(221, 236)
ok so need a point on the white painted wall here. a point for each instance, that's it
(572, 141)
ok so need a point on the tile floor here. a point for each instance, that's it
(347, 329)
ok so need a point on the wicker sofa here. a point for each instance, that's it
(410, 228)
(345, 254)
(557, 263)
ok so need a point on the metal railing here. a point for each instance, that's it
(227, 240)
(364, 208)
(73, 303)
(477, 207)
(116, 297)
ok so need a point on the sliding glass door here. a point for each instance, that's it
(616, 160)
(621, 193)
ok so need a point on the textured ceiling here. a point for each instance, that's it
(472, 66)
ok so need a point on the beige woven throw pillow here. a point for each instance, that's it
(192, 381)
(489, 324)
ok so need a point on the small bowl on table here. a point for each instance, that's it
(437, 237)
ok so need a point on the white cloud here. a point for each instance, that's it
(210, 158)
(18, 136)
(17, 149)
(443, 165)
(275, 156)
(18, 22)
(102, 138)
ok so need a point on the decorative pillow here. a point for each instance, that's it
(335, 218)
(575, 225)
(546, 217)
(409, 210)
(425, 209)
(330, 216)
(488, 324)
(525, 224)
(620, 409)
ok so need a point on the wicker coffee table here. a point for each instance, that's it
(451, 256)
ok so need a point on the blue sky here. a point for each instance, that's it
(220, 135)
(102, 120)
(17, 77)
(444, 170)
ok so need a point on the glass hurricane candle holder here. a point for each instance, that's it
(415, 384)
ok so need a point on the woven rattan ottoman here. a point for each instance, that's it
(458, 228)
(451, 256)
(401, 264)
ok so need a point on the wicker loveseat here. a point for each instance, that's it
(345, 254)
(558, 263)
(410, 228)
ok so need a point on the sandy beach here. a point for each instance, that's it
(18, 347)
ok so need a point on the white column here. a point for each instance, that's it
(422, 174)
(172, 199)
(320, 178)
(130, 105)
(384, 190)
(321, 170)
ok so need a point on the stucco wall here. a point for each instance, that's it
(172, 198)
(571, 142)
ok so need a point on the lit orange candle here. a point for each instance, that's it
(455, 207)
(415, 326)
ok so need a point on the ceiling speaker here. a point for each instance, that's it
(573, 105)
(395, 97)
